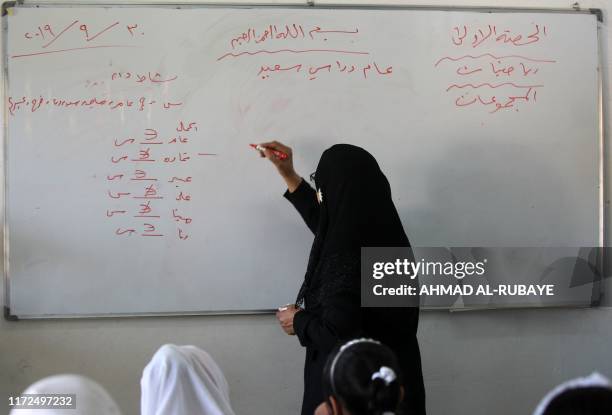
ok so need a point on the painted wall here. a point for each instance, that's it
(490, 362)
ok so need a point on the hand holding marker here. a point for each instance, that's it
(282, 157)
(279, 154)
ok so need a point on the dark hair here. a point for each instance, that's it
(357, 374)
(593, 400)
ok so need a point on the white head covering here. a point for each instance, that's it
(183, 380)
(91, 398)
(594, 380)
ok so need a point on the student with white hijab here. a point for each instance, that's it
(184, 380)
(91, 398)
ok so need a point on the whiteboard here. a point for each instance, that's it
(130, 186)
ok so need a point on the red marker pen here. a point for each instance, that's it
(277, 153)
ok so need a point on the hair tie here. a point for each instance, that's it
(386, 374)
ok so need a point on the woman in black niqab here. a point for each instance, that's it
(354, 210)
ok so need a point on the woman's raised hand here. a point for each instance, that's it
(283, 165)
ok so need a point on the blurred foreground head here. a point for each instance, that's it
(91, 398)
(591, 395)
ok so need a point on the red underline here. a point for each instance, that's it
(492, 86)
(235, 55)
(494, 57)
(71, 49)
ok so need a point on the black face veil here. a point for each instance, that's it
(356, 208)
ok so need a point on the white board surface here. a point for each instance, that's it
(486, 125)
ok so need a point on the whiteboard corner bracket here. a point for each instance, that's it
(598, 13)
(8, 316)
(7, 5)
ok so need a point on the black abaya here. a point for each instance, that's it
(356, 211)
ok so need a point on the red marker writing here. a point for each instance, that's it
(277, 153)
